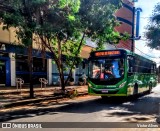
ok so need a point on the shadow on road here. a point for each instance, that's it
(132, 106)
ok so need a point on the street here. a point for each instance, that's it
(55, 54)
(94, 109)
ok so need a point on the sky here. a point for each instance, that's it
(147, 7)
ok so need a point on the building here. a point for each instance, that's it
(125, 16)
(14, 61)
(13, 57)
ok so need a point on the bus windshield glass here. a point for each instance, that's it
(106, 69)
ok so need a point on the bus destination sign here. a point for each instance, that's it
(107, 53)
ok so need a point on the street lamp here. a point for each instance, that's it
(135, 36)
(133, 22)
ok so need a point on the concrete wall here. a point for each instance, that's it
(13, 68)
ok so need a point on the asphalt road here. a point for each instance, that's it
(94, 109)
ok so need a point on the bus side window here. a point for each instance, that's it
(150, 68)
(130, 62)
(153, 68)
(121, 67)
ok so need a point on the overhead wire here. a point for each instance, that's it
(125, 45)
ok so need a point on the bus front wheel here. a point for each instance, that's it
(150, 87)
(135, 89)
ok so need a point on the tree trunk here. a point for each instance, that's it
(30, 65)
(60, 66)
(74, 62)
(62, 80)
(29, 37)
(62, 76)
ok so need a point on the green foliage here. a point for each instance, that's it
(71, 18)
(74, 5)
(153, 35)
(98, 18)
(153, 29)
(62, 25)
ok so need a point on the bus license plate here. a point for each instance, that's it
(104, 91)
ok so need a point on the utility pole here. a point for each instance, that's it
(133, 28)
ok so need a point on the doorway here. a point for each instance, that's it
(2, 73)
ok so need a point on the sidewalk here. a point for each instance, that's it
(10, 97)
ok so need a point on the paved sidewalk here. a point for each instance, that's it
(9, 96)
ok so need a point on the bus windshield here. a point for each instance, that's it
(106, 69)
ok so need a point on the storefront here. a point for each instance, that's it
(14, 64)
(22, 68)
(4, 69)
(2, 73)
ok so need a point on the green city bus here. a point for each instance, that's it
(120, 72)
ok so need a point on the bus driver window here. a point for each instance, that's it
(108, 71)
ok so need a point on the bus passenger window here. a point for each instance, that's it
(130, 64)
(121, 67)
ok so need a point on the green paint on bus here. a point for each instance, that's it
(120, 74)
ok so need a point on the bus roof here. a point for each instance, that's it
(128, 52)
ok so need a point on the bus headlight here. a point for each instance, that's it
(122, 85)
(89, 85)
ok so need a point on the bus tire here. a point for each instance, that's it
(150, 87)
(135, 91)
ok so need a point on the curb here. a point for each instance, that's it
(20, 113)
(36, 100)
(19, 92)
(37, 90)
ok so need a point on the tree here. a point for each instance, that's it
(153, 29)
(61, 26)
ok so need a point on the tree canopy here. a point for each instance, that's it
(62, 25)
(153, 29)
